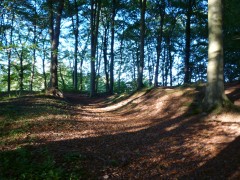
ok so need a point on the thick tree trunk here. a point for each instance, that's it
(159, 43)
(142, 39)
(54, 36)
(95, 14)
(215, 96)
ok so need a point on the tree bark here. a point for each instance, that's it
(54, 32)
(214, 95)
(187, 77)
(112, 47)
(34, 53)
(95, 14)
(142, 39)
(105, 44)
(10, 54)
(159, 43)
(76, 33)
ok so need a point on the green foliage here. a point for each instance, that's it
(21, 17)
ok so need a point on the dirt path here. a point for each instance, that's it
(152, 136)
(156, 134)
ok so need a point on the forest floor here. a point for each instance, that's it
(161, 133)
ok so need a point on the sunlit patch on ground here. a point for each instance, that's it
(150, 135)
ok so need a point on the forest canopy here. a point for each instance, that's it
(110, 46)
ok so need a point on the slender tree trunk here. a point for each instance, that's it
(34, 56)
(112, 46)
(215, 96)
(134, 65)
(9, 70)
(21, 71)
(43, 63)
(81, 75)
(105, 44)
(98, 67)
(76, 34)
(43, 70)
(54, 38)
(170, 63)
(187, 77)
(163, 65)
(120, 67)
(159, 43)
(10, 54)
(149, 70)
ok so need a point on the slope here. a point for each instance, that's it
(152, 134)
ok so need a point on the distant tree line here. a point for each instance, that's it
(111, 45)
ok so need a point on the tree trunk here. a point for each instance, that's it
(76, 33)
(121, 62)
(170, 62)
(159, 43)
(62, 79)
(21, 71)
(34, 55)
(187, 77)
(112, 46)
(215, 96)
(142, 39)
(95, 13)
(54, 32)
(10, 54)
(163, 65)
(105, 44)
(43, 70)
(98, 67)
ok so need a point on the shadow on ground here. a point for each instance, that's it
(170, 145)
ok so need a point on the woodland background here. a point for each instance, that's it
(100, 47)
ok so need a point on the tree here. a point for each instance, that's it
(112, 46)
(159, 40)
(142, 39)
(215, 96)
(95, 14)
(187, 77)
(76, 34)
(54, 31)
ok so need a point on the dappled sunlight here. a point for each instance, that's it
(120, 104)
(156, 131)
